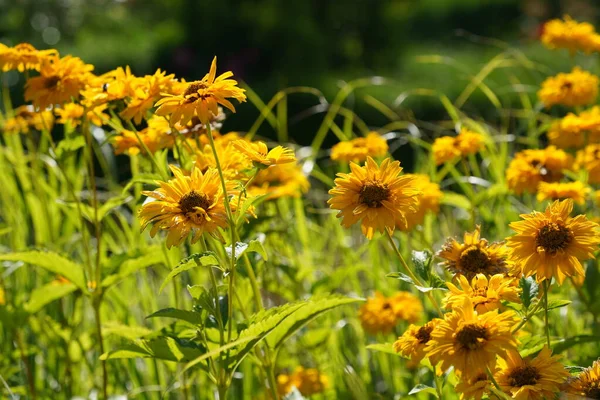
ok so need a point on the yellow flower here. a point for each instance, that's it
(552, 244)
(577, 88)
(596, 197)
(233, 163)
(201, 98)
(532, 379)
(60, 81)
(145, 92)
(474, 256)
(111, 86)
(445, 149)
(485, 294)
(589, 159)
(376, 196)
(155, 137)
(530, 167)
(72, 113)
(570, 34)
(23, 56)
(587, 383)
(470, 341)
(308, 381)
(474, 387)
(2, 296)
(276, 181)
(413, 342)
(380, 314)
(187, 203)
(469, 142)
(258, 153)
(574, 130)
(428, 201)
(26, 118)
(577, 191)
(357, 150)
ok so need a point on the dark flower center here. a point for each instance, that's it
(567, 86)
(481, 377)
(191, 200)
(373, 195)
(521, 376)
(193, 88)
(424, 334)
(554, 237)
(592, 390)
(51, 82)
(474, 260)
(471, 336)
(386, 306)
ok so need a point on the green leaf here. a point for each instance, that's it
(163, 348)
(552, 304)
(383, 347)
(560, 345)
(69, 145)
(205, 259)
(124, 331)
(529, 290)
(153, 256)
(253, 246)
(311, 310)
(408, 279)
(192, 317)
(423, 388)
(456, 200)
(422, 263)
(46, 294)
(196, 291)
(249, 202)
(52, 262)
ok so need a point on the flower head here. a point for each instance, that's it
(552, 244)
(576, 88)
(474, 256)
(357, 150)
(23, 56)
(589, 159)
(72, 113)
(445, 149)
(474, 387)
(530, 167)
(413, 342)
(156, 136)
(376, 196)
(469, 142)
(187, 203)
(470, 341)
(143, 93)
(587, 383)
(276, 181)
(574, 130)
(570, 34)
(201, 98)
(485, 293)
(25, 119)
(577, 191)
(533, 379)
(381, 314)
(308, 381)
(258, 153)
(428, 201)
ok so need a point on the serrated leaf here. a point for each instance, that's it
(152, 257)
(163, 348)
(191, 317)
(312, 309)
(46, 294)
(205, 259)
(420, 388)
(422, 262)
(529, 290)
(383, 347)
(52, 262)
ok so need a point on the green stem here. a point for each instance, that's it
(527, 317)
(546, 325)
(411, 274)
(438, 385)
(96, 305)
(496, 388)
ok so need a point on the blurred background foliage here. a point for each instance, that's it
(274, 44)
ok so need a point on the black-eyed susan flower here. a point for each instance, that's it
(187, 203)
(589, 159)
(202, 98)
(23, 57)
(586, 383)
(381, 314)
(474, 256)
(570, 34)
(233, 163)
(25, 119)
(413, 342)
(308, 381)
(59, 82)
(530, 167)
(376, 196)
(576, 130)
(470, 341)
(537, 378)
(428, 201)
(576, 191)
(469, 142)
(259, 154)
(576, 88)
(474, 387)
(284, 180)
(156, 136)
(445, 149)
(552, 244)
(485, 293)
(143, 94)
(72, 113)
(357, 150)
